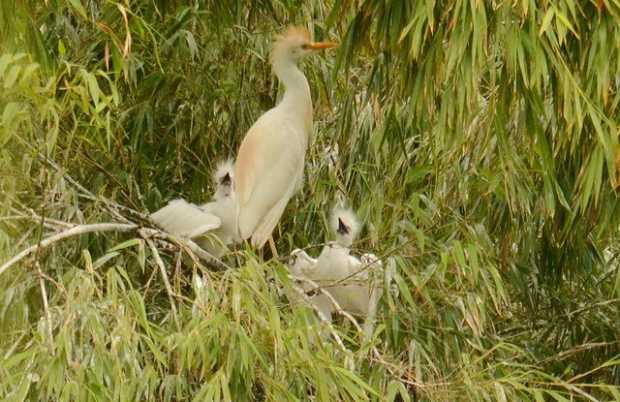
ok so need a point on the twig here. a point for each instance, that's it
(579, 348)
(112, 206)
(46, 308)
(33, 215)
(187, 244)
(337, 307)
(162, 269)
(323, 319)
(75, 231)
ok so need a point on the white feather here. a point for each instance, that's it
(182, 218)
(212, 225)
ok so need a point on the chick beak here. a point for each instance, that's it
(226, 180)
(342, 228)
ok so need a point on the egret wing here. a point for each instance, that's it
(268, 166)
(182, 218)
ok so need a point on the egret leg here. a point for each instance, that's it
(272, 246)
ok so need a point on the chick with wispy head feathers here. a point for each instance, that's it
(270, 161)
(223, 179)
(342, 275)
(344, 225)
(335, 261)
(212, 225)
(224, 206)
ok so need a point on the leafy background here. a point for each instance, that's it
(477, 139)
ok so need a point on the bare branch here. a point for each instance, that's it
(323, 319)
(75, 231)
(164, 275)
(185, 243)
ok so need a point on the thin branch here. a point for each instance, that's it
(33, 215)
(162, 269)
(186, 244)
(111, 205)
(75, 231)
(46, 308)
(323, 319)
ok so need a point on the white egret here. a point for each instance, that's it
(335, 261)
(270, 161)
(185, 219)
(300, 263)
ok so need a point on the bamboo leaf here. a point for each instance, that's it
(77, 6)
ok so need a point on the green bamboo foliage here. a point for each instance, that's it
(528, 88)
(478, 141)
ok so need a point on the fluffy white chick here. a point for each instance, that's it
(224, 207)
(335, 261)
(212, 225)
(302, 266)
(345, 277)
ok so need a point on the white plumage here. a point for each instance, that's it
(344, 276)
(270, 161)
(212, 225)
(182, 218)
(223, 206)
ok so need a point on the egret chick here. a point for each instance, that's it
(217, 217)
(345, 226)
(300, 263)
(301, 266)
(224, 207)
(270, 161)
(335, 262)
(345, 277)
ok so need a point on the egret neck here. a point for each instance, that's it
(297, 99)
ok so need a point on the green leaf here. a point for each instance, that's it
(11, 111)
(105, 258)
(126, 244)
(546, 20)
(77, 6)
(11, 76)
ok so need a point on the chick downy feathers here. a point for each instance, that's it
(344, 225)
(223, 177)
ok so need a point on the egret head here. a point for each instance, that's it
(224, 179)
(345, 225)
(294, 44)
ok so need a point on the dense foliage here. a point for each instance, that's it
(478, 140)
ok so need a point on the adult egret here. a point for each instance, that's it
(270, 161)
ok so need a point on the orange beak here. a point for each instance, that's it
(321, 45)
